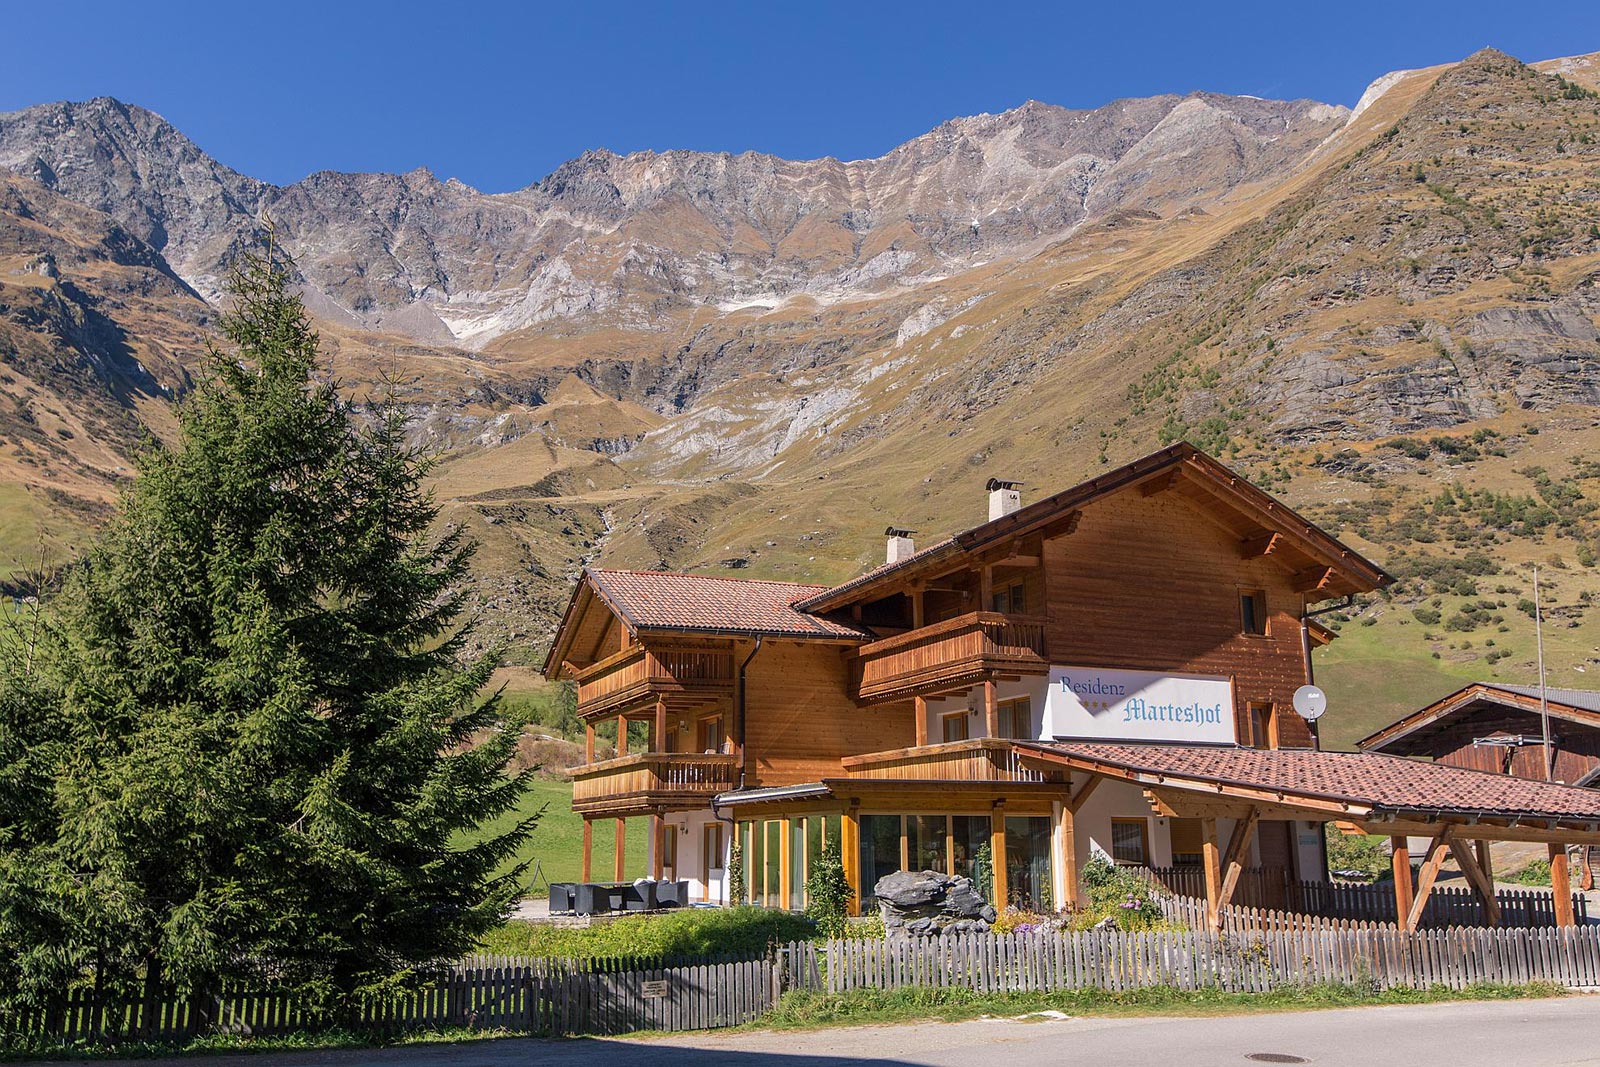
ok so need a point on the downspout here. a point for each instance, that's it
(741, 707)
(716, 812)
(1316, 735)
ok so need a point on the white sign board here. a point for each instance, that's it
(1118, 705)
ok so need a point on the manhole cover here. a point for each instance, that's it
(1276, 1057)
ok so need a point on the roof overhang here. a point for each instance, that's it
(1449, 708)
(1196, 795)
(1341, 569)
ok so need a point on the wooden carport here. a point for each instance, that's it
(1458, 810)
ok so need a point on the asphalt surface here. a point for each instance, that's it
(1534, 1033)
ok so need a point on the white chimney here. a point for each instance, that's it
(900, 544)
(1004, 498)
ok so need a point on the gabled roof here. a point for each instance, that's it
(702, 603)
(1580, 706)
(1387, 785)
(1182, 460)
(667, 602)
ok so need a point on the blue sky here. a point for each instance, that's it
(498, 94)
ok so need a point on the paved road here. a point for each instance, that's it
(1536, 1033)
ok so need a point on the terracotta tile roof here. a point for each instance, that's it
(1386, 783)
(661, 600)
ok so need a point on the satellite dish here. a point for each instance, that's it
(1310, 702)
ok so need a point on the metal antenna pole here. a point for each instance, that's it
(1544, 697)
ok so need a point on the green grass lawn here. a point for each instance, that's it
(689, 933)
(557, 842)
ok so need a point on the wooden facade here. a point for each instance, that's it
(1495, 728)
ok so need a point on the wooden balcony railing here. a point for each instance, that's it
(652, 779)
(638, 675)
(981, 759)
(949, 653)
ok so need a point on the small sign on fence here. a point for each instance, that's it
(653, 990)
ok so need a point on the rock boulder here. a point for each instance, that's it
(927, 904)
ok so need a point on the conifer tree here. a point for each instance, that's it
(281, 754)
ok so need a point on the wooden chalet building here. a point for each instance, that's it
(1105, 672)
(1496, 727)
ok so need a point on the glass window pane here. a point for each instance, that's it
(797, 863)
(752, 862)
(773, 866)
(926, 844)
(1127, 841)
(971, 859)
(1028, 861)
(880, 851)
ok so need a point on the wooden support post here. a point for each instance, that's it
(986, 587)
(619, 864)
(588, 848)
(1212, 855)
(919, 616)
(1238, 852)
(991, 709)
(661, 744)
(785, 888)
(1561, 884)
(1586, 860)
(588, 742)
(1476, 877)
(622, 735)
(1400, 863)
(919, 707)
(1066, 854)
(997, 855)
(1485, 859)
(1437, 851)
(658, 845)
(850, 855)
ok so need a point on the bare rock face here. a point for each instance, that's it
(929, 904)
(620, 239)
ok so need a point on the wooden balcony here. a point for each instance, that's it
(650, 780)
(637, 676)
(981, 759)
(949, 654)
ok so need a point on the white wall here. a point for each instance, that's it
(972, 701)
(690, 830)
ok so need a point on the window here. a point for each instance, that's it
(1028, 861)
(1263, 728)
(954, 726)
(1016, 719)
(669, 849)
(880, 852)
(1130, 844)
(709, 735)
(1187, 849)
(972, 839)
(926, 842)
(1010, 599)
(1253, 611)
(711, 861)
(797, 861)
(773, 868)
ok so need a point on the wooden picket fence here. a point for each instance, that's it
(538, 996)
(1118, 960)
(607, 997)
(1270, 888)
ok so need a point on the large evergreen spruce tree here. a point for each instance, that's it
(277, 756)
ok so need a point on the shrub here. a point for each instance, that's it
(1120, 893)
(828, 893)
(735, 870)
(744, 930)
(1426, 616)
